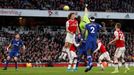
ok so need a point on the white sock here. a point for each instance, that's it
(74, 66)
(102, 66)
(116, 67)
(75, 61)
(126, 66)
(69, 66)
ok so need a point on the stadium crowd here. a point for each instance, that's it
(45, 46)
(94, 5)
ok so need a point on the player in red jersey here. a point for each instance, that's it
(104, 53)
(73, 56)
(71, 29)
(119, 41)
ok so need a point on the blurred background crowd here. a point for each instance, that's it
(77, 5)
(46, 44)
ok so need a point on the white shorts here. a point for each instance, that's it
(69, 38)
(104, 56)
(119, 52)
(73, 55)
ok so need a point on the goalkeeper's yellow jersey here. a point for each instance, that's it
(85, 20)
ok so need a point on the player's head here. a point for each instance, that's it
(79, 18)
(92, 19)
(71, 16)
(117, 26)
(17, 36)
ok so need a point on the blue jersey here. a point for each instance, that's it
(16, 45)
(92, 28)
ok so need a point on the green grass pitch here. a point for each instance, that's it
(62, 71)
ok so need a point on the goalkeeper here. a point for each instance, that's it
(84, 20)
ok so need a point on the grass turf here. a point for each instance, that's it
(62, 71)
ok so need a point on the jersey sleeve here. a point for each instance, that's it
(116, 34)
(85, 18)
(67, 24)
(21, 43)
(99, 26)
(84, 21)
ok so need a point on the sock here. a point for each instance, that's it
(7, 61)
(126, 66)
(16, 65)
(116, 67)
(78, 60)
(69, 66)
(101, 65)
(89, 58)
(70, 63)
(75, 61)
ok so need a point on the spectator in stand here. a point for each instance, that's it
(94, 5)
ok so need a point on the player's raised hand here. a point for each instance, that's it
(86, 5)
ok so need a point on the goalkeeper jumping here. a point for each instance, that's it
(83, 21)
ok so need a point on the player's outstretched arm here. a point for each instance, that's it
(24, 47)
(8, 47)
(99, 45)
(86, 10)
(116, 38)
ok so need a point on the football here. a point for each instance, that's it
(66, 8)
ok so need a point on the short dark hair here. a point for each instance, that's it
(69, 16)
(118, 25)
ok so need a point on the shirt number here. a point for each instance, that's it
(92, 30)
(121, 36)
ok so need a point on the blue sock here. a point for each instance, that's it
(89, 58)
(16, 65)
(77, 64)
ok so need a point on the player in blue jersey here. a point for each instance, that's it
(16, 44)
(90, 45)
(83, 21)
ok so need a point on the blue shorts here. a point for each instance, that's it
(90, 45)
(81, 49)
(14, 54)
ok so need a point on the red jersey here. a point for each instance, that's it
(73, 48)
(72, 25)
(102, 47)
(121, 38)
